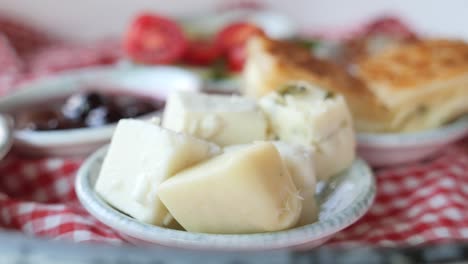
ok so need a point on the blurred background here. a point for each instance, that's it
(90, 19)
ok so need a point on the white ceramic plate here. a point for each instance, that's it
(394, 149)
(150, 81)
(342, 201)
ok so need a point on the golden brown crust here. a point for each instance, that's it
(279, 62)
(408, 87)
(360, 48)
(412, 66)
(291, 56)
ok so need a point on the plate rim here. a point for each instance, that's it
(259, 241)
(449, 132)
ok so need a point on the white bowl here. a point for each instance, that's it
(6, 135)
(150, 81)
(394, 149)
(342, 202)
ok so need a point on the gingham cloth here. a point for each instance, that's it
(426, 202)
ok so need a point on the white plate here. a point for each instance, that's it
(151, 81)
(394, 149)
(342, 202)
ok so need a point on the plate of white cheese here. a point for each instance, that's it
(228, 172)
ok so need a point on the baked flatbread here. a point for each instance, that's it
(410, 87)
(422, 84)
(272, 64)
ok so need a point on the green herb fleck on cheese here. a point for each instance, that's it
(292, 89)
(280, 100)
(329, 95)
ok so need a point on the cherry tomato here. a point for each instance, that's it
(389, 26)
(155, 39)
(237, 34)
(236, 58)
(202, 52)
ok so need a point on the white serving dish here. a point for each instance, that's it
(148, 81)
(394, 149)
(342, 202)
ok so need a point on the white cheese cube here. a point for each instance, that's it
(141, 156)
(303, 114)
(300, 163)
(299, 160)
(224, 120)
(247, 190)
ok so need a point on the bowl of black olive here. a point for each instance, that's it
(76, 112)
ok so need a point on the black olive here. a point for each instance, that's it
(87, 109)
(102, 115)
(79, 105)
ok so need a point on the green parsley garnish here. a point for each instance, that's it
(329, 95)
(292, 89)
(218, 71)
(308, 43)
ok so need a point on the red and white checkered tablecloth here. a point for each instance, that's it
(419, 203)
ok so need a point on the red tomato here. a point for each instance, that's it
(236, 58)
(202, 52)
(237, 34)
(390, 26)
(155, 40)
